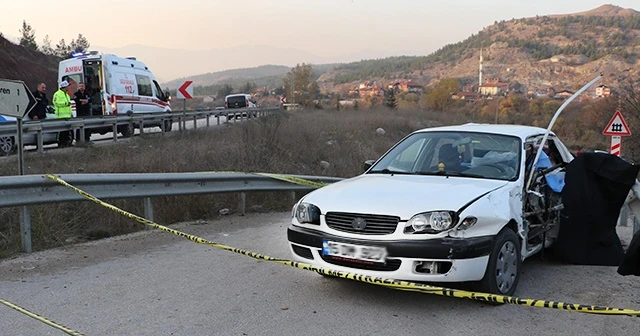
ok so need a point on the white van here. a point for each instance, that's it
(239, 100)
(117, 86)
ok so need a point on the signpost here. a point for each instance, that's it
(16, 101)
(185, 91)
(616, 128)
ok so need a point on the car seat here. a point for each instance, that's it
(449, 156)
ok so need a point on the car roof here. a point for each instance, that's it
(521, 131)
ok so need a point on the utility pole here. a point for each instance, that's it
(497, 108)
(293, 87)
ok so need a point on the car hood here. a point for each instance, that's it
(400, 195)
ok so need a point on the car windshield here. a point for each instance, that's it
(465, 154)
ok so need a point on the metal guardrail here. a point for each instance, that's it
(38, 127)
(28, 190)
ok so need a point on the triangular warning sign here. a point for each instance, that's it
(617, 126)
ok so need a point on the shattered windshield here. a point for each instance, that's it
(465, 154)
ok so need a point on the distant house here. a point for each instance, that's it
(541, 92)
(603, 91)
(347, 102)
(493, 87)
(370, 89)
(564, 94)
(467, 96)
(489, 90)
(410, 86)
(406, 86)
(354, 92)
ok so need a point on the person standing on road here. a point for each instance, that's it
(62, 105)
(39, 112)
(83, 109)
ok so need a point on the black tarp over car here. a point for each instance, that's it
(631, 263)
(596, 186)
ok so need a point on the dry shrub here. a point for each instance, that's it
(285, 142)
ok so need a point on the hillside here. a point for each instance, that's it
(212, 78)
(265, 75)
(558, 50)
(32, 67)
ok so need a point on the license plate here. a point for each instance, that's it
(351, 251)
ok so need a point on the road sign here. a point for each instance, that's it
(185, 91)
(283, 99)
(616, 143)
(15, 98)
(617, 126)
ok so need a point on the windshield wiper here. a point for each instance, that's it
(450, 173)
(387, 171)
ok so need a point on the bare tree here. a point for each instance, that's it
(629, 95)
(300, 86)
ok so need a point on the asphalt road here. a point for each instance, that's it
(154, 283)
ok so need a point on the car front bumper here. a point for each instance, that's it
(458, 259)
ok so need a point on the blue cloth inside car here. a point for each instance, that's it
(554, 180)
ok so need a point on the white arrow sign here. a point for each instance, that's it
(15, 98)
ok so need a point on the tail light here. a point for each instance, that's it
(114, 105)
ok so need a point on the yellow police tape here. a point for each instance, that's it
(293, 179)
(41, 319)
(286, 178)
(391, 283)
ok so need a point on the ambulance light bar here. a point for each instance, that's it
(84, 53)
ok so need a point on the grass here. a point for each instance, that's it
(286, 142)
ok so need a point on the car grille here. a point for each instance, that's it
(388, 266)
(376, 224)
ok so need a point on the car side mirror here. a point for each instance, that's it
(368, 164)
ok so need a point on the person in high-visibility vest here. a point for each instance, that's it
(62, 104)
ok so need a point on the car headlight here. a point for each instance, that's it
(431, 222)
(307, 213)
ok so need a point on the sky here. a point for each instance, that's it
(325, 28)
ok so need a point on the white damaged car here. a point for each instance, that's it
(445, 204)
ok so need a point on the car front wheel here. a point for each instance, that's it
(503, 269)
(7, 145)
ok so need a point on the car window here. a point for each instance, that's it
(407, 158)
(144, 85)
(159, 93)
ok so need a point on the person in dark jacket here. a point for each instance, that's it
(83, 108)
(39, 111)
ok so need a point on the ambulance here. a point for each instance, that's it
(117, 86)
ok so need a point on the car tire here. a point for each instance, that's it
(168, 124)
(7, 146)
(503, 269)
(127, 131)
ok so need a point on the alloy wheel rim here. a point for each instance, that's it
(5, 144)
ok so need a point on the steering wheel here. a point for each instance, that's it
(497, 167)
